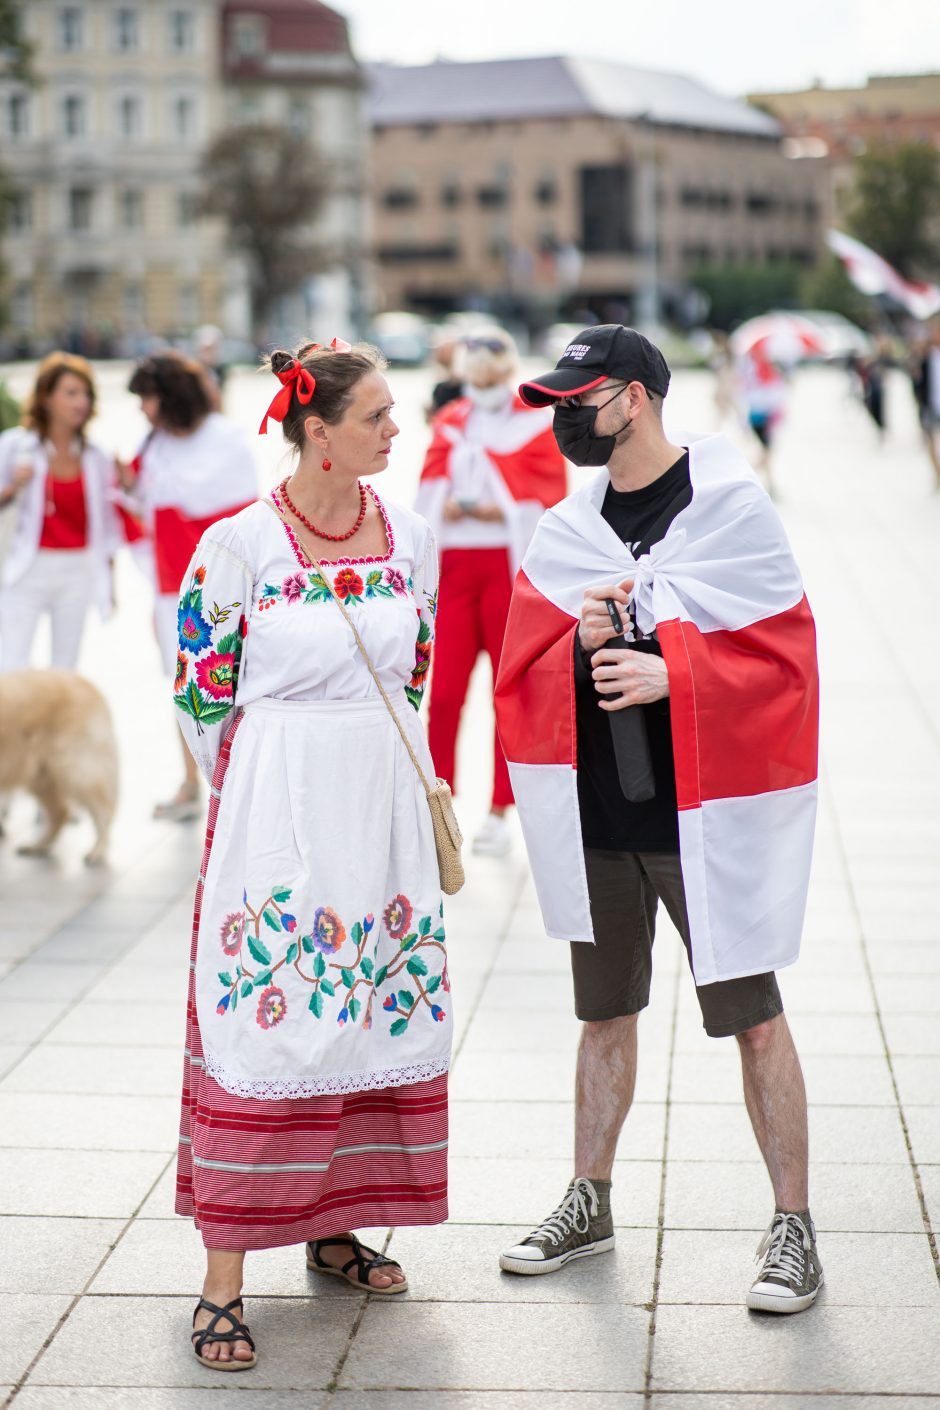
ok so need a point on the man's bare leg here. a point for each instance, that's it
(606, 1078)
(776, 1103)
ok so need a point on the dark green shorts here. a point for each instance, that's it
(612, 976)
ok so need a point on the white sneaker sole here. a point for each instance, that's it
(767, 1302)
(531, 1268)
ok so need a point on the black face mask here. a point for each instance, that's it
(574, 432)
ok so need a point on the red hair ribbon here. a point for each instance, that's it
(295, 376)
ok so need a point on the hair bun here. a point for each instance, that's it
(281, 360)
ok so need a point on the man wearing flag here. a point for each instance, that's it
(682, 542)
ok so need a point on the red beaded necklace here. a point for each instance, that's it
(333, 538)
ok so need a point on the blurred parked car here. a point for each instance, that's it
(403, 338)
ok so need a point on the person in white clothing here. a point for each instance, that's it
(194, 467)
(66, 530)
(491, 469)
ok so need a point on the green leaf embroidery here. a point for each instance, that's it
(272, 921)
(356, 933)
(228, 644)
(439, 935)
(259, 950)
(398, 1027)
(316, 1004)
(433, 984)
(416, 965)
(381, 972)
(409, 942)
(366, 966)
(354, 1007)
(307, 942)
(247, 987)
(293, 950)
(406, 998)
(283, 893)
(319, 966)
(225, 978)
(234, 1004)
(263, 978)
(424, 925)
(328, 987)
(348, 977)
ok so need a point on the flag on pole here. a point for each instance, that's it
(873, 275)
(723, 593)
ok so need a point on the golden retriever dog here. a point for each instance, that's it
(57, 742)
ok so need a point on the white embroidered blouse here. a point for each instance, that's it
(256, 620)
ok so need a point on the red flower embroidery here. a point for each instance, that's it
(272, 1006)
(233, 932)
(214, 674)
(397, 916)
(181, 667)
(347, 583)
(200, 575)
(293, 587)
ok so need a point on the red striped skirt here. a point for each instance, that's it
(259, 1174)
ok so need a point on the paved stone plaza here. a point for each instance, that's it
(98, 1277)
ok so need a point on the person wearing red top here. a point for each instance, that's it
(491, 469)
(66, 530)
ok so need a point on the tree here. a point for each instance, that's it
(16, 59)
(827, 286)
(269, 185)
(739, 291)
(894, 206)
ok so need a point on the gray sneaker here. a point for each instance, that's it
(581, 1225)
(791, 1273)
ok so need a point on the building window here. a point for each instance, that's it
(187, 209)
(20, 208)
(248, 111)
(133, 302)
(760, 204)
(298, 117)
(184, 118)
(546, 191)
(451, 194)
(131, 209)
(126, 30)
(247, 37)
(188, 305)
(493, 197)
(21, 306)
(81, 201)
(606, 209)
(71, 28)
(18, 115)
(129, 117)
(73, 115)
(182, 31)
(400, 198)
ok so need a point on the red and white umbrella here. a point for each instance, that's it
(780, 337)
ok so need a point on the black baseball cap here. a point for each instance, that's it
(599, 354)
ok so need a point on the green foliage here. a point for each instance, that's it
(16, 51)
(741, 291)
(829, 287)
(894, 206)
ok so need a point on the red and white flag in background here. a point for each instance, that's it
(873, 275)
(724, 595)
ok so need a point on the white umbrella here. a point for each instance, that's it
(781, 337)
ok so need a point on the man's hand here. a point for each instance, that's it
(595, 627)
(641, 677)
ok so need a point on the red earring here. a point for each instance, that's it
(327, 465)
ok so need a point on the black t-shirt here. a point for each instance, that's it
(640, 518)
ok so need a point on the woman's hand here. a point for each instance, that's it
(641, 677)
(452, 512)
(22, 474)
(488, 513)
(595, 627)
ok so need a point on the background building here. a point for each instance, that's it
(549, 185)
(105, 242)
(838, 123)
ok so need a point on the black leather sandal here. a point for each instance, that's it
(208, 1336)
(364, 1261)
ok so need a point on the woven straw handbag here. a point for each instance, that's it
(448, 838)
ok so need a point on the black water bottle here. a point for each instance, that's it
(628, 731)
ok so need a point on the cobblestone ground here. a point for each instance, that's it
(97, 1277)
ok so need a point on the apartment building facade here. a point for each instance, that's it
(556, 184)
(105, 244)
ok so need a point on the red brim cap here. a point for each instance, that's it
(555, 386)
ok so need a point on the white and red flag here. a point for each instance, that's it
(871, 274)
(724, 596)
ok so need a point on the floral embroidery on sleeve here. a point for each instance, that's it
(425, 592)
(209, 655)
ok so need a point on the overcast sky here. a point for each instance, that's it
(735, 46)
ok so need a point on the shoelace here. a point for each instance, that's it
(784, 1247)
(574, 1213)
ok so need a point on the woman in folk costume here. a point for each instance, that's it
(67, 529)
(490, 471)
(194, 467)
(319, 1014)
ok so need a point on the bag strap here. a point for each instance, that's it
(315, 563)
